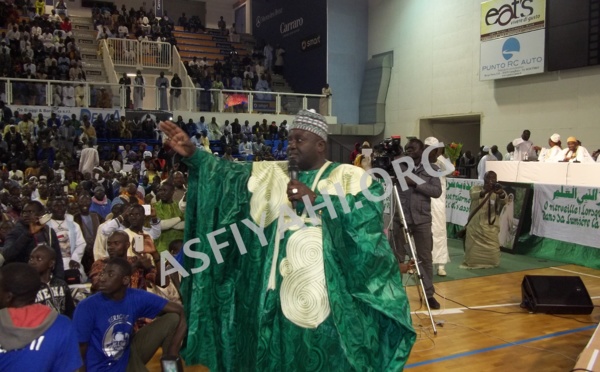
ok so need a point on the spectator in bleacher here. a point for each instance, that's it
(222, 26)
(234, 37)
(27, 233)
(217, 67)
(148, 127)
(100, 202)
(183, 22)
(248, 83)
(61, 8)
(125, 83)
(264, 129)
(273, 130)
(40, 7)
(279, 60)
(105, 98)
(68, 95)
(217, 84)
(283, 132)
(112, 127)
(237, 83)
(280, 153)
(138, 91)
(80, 95)
(26, 125)
(89, 133)
(205, 84)
(201, 126)
(203, 63)
(162, 84)
(123, 31)
(171, 217)
(263, 86)
(245, 149)
(268, 54)
(74, 70)
(70, 237)
(246, 130)
(25, 323)
(145, 25)
(196, 140)
(66, 133)
(214, 132)
(176, 85)
(99, 126)
(66, 26)
(190, 128)
(258, 146)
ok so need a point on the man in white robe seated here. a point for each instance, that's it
(551, 154)
(575, 153)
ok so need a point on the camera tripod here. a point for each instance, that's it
(408, 239)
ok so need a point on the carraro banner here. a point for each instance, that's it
(512, 56)
(502, 18)
(567, 213)
(458, 199)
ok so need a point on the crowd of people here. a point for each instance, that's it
(523, 149)
(42, 48)
(141, 24)
(106, 222)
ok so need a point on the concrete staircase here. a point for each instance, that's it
(85, 37)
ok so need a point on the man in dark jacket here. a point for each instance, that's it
(416, 204)
(27, 234)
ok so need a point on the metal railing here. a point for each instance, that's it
(129, 52)
(118, 95)
(107, 95)
(246, 101)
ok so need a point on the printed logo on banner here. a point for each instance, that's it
(311, 42)
(515, 56)
(292, 27)
(262, 19)
(502, 18)
(510, 48)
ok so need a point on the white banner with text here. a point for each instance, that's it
(567, 213)
(458, 199)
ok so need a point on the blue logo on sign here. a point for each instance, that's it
(510, 48)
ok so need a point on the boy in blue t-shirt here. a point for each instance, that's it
(104, 323)
(33, 337)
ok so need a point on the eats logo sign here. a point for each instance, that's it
(502, 18)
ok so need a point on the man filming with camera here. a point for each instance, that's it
(416, 204)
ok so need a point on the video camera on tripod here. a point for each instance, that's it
(385, 152)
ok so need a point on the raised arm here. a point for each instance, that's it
(177, 139)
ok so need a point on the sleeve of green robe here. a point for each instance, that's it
(217, 197)
(368, 303)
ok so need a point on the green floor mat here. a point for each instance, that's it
(509, 263)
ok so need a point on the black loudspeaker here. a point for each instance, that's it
(555, 295)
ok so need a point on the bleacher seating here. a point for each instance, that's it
(211, 45)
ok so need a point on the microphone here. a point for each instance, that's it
(293, 172)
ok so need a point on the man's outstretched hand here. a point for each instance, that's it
(177, 139)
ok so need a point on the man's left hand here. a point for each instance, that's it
(296, 190)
